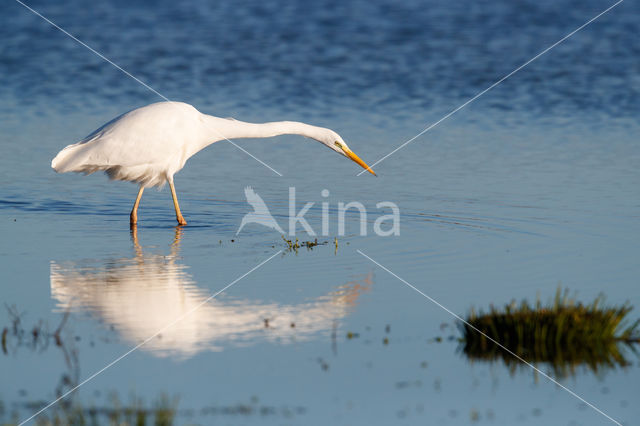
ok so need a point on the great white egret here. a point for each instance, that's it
(150, 144)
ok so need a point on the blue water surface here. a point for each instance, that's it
(533, 185)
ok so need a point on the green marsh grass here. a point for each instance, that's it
(563, 334)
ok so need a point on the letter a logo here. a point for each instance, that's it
(260, 214)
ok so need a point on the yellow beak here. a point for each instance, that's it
(357, 159)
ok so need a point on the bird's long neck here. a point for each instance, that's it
(222, 128)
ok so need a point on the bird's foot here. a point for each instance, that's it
(181, 221)
(133, 220)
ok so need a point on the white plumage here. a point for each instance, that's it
(150, 144)
(146, 145)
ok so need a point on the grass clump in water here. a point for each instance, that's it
(564, 334)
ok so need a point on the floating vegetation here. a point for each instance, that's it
(162, 413)
(68, 411)
(563, 334)
(323, 364)
(164, 410)
(295, 245)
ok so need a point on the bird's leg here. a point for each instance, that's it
(133, 217)
(179, 217)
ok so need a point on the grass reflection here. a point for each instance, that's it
(563, 334)
(38, 338)
(161, 413)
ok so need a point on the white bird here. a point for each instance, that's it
(150, 144)
(260, 213)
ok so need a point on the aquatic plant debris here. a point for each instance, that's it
(295, 245)
(563, 334)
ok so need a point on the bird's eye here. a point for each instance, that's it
(338, 144)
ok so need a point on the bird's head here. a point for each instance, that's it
(336, 143)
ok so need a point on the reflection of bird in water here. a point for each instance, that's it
(260, 214)
(139, 296)
(150, 144)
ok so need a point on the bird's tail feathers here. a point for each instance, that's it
(80, 159)
(67, 159)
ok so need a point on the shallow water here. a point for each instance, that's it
(533, 185)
